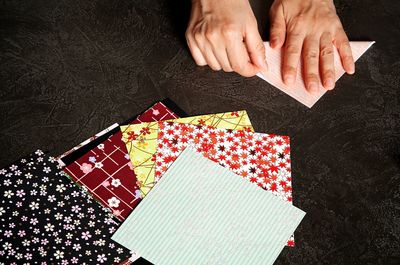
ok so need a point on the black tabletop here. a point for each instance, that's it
(71, 68)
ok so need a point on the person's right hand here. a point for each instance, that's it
(224, 35)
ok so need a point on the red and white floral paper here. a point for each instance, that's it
(106, 171)
(263, 159)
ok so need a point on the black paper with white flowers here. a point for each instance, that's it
(47, 219)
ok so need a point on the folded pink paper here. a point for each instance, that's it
(298, 90)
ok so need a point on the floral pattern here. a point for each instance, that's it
(106, 170)
(262, 159)
(46, 219)
(63, 158)
(141, 140)
(156, 113)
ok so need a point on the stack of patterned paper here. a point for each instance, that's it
(195, 190)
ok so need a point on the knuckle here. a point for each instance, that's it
(328, 73)
(288, 69)
(293, 49)
(211, 34)
(311, 54)
(295, 34)
(311, 77)
(229, 31)
(344, 45)
(326, 51)
(326, 35)
(276, 27)
(300, 20)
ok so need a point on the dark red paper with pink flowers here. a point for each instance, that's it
(106, 171)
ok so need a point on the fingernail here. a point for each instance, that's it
(313, 87)
(329, 84)
(289, 79)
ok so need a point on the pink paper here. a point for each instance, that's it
(298, 90)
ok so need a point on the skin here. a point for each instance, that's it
(223, 34)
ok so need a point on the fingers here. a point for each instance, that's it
(210, 57)
(238, 57)
(327, 67)
(215, 42)
(291, 57)
(194, 50)
(255, 48)
(201, 50)
(342, 44)
(226, 50)
(310, 63)
(222, 57)
(278, 26)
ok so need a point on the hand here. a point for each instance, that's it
(309, 28)
(223, 34)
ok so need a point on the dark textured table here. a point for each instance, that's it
(71, 68)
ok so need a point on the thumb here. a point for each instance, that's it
(255, 48)
(278, 26)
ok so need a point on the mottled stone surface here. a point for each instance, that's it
(71, 68)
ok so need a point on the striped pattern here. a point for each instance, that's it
(202, 213)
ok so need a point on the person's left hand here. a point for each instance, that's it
(309, 29)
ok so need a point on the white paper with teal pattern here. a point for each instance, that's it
(202, 213)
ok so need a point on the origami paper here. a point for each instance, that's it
(141, 140)
(157, 112)
(44, 217)
(106, 171)
(202, 213)
(262, 159)
(298, 90)
(69, 156)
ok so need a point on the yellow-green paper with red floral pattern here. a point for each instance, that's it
(141, 141)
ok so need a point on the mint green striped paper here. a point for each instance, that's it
(202, 213)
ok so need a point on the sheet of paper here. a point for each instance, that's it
(64, 159)
(298, 90)
(141, 140)
(106, 171)
(157, 112)
(46, 218)
(202, 213)
(262, 159)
